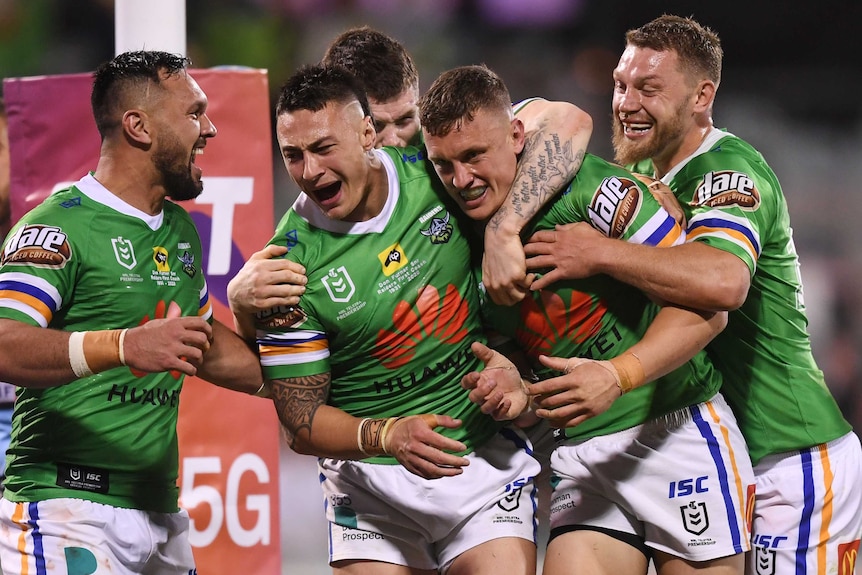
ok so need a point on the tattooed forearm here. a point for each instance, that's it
(297, 400)
(545, 166)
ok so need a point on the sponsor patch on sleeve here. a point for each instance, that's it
(727, 188)
(37, 245)
(614, 205)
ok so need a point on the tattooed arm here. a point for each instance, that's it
(557, 134)
(314, 428)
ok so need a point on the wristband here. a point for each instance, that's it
(359, 435)
(383, 432)
(630, 371)
(92, 352)
(121, 347)
(369, 436)
(76, 355)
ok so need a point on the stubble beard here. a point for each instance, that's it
(628, 152)
(176, 174)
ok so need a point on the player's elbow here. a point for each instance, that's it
(730, 289)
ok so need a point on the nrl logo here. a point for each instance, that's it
(338, 285)
(511, 501)
(124, 251)
(694, 517)
(439, 230)
(764, 561)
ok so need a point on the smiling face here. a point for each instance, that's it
(653, 106)
(182, 132)
(397, 120)
(327, 154)
(477, 160)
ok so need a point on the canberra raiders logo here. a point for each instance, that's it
(439, 230)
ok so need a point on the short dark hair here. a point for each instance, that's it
(698, 47)
(312, 87)
(457, 95)
(126, 76)
(380, 62)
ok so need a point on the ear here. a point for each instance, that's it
(704, 96)
(369, 134)
(136, 126)
(517, 127)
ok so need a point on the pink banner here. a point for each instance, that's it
(228, 441)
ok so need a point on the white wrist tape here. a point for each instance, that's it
(77, 360)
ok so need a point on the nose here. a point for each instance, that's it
(462, 177)
(208, 129)
(311, 168)
(628, 101)
(389, 137)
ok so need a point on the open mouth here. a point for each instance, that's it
(472, 193)
(635, 128)
(327, 193)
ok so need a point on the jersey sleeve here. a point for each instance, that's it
(732, 204)
(618, 205)
(291, 340)
(37, 268)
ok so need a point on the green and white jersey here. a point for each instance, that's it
(391, 304)
(599, 317)
(733, 201)
(84, 260)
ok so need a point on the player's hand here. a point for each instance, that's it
(664, 196)
(570, 251)
(586, 389)
(266, 281)
(504, 270)
(173, 343)
(497, 388)
(421, 450)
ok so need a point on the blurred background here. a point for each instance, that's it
(790, 86)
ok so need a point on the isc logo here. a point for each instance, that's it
(685, 487)
(767, 541)
(614, 205)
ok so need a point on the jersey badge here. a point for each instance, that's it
(124, 251)
(695, 519)
(187, 258)
(160, 256)
(764, 560)
(614, 205)
(339, 285)
(725, 189)
(291, 239)
(38, 246)
(439, 230)
(413, 158)
(71, 203)
(392, 259)
(281, 317)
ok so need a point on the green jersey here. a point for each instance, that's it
(599, 317)
(390, 308)
(733, 202)
(84, 260)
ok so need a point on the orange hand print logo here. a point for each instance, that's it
(432, 316)
(547, 319)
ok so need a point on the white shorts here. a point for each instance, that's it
(385, 513)
(808, 510)
(679, 483)
(74, 536)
